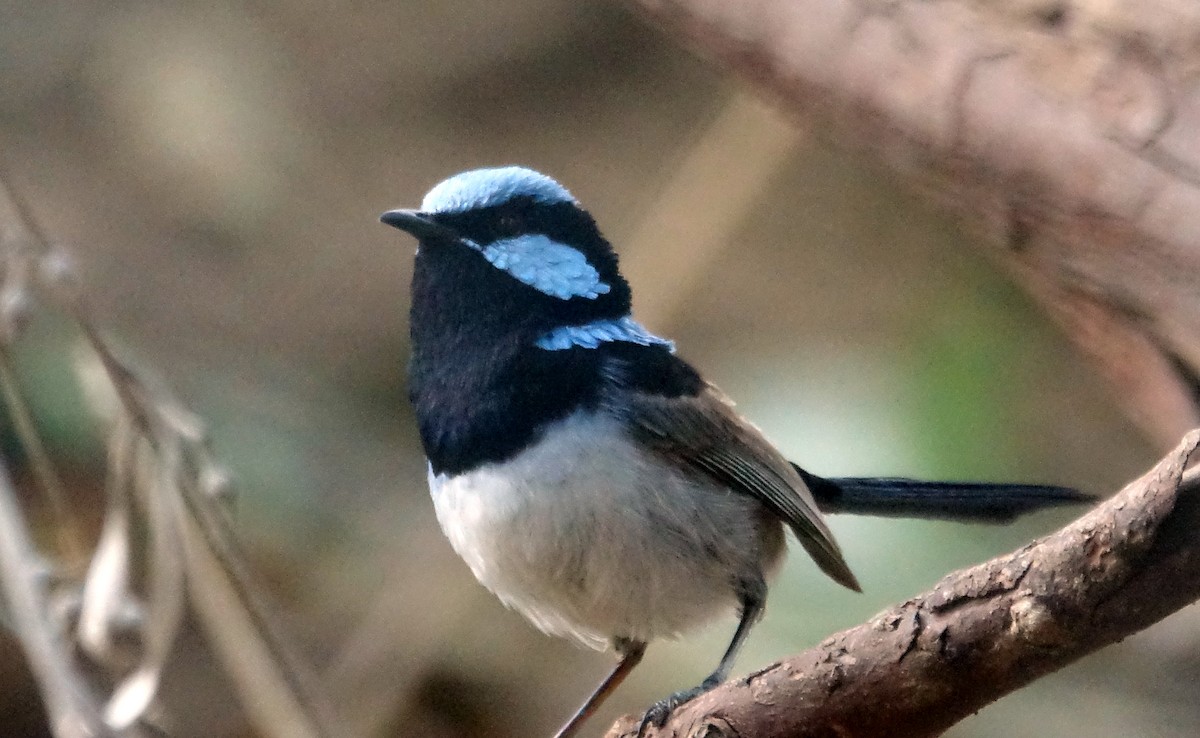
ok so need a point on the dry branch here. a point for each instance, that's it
(921, 666)
(163, 475)
(1064, 130)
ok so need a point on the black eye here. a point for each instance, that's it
(510, 224)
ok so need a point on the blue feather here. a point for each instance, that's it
(591, 335)
(483, 188)
(546, 265)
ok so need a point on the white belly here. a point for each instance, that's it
(591, 538)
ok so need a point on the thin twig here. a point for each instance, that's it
(23, 577)
(192, 549)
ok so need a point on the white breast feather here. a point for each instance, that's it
(592, 538)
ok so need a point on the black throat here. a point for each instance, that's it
(481, 388)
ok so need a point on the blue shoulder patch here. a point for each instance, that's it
(545, 265)
(593, 334)
(482, 188)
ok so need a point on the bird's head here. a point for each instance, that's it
(517, 246)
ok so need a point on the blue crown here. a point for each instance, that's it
(483, 188)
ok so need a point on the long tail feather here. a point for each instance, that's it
(962, 501)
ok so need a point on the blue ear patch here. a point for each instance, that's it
(545, 265)
(593, 334)
(483, 188)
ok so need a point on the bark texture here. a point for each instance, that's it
(923, 665)
(1068, 131)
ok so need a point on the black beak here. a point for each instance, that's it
(419, 224)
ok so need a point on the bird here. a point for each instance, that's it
(589, 476)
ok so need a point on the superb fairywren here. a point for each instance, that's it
(590, 478)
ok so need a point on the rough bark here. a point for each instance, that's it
(1066, 130)
(922, 665)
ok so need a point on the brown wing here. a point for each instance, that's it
(704, 433)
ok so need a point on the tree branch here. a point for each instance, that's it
(923, 665)
(1064, 131)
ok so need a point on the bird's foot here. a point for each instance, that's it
(658, 713)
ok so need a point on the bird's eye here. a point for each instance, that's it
(510, 224)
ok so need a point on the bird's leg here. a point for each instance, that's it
(631, 654)
(753, 597)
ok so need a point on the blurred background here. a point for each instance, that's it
(217, 170)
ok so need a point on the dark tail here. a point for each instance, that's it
(910, 498)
